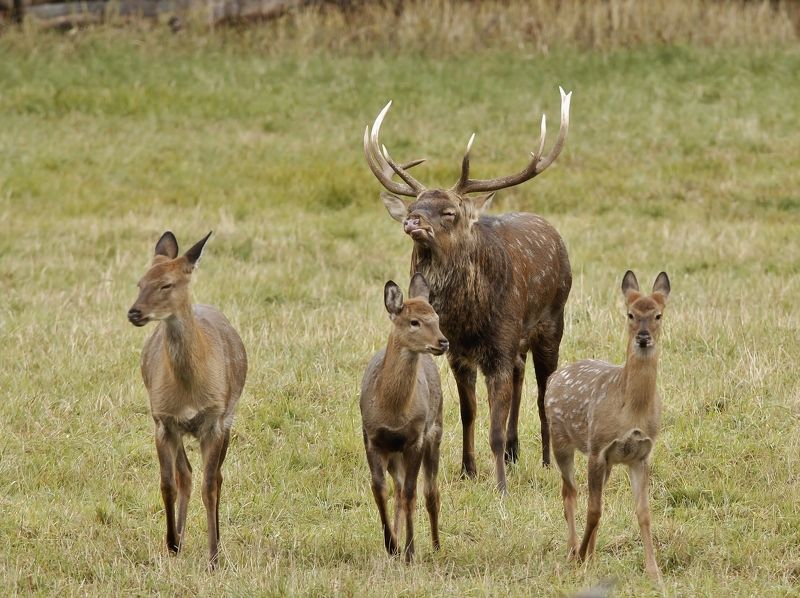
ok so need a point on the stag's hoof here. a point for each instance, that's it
(512, 450)
(468, 470)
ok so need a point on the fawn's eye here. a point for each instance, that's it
(658, 316)
(166, 287)
(630, 316)
(414, 323)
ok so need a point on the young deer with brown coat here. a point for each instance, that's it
(612, 414)
(194, 367)
(499, 284)
(401, 411)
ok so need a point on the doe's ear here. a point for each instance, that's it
(398, 208)
(419, 287)
(661, 285)
(167, 246)
(196, 250)
(392, 298)
(630, 287)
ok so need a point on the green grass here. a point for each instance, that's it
(679, 158)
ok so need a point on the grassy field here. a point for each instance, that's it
(681, 157)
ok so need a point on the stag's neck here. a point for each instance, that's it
(398, 377)
(184, 346)
(461, 264)
(639, 378)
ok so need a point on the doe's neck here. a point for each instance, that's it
(398, 376)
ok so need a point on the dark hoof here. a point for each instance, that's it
(173, 547)
(512, 451)
(468, 471)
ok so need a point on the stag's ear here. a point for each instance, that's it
(398, 209)
(661, 286)
(392, 299)
(630, 287)
(193, 255)
(167, 246)
(419, 287)
(481, 203)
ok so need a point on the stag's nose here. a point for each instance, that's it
(411, 223)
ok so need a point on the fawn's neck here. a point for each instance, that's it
(398, 377)
(639, 378)
(184, 345)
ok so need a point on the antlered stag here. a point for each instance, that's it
(498, 283)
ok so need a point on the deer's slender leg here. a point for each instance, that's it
(512, 435)
(430, 466)
(565, 459)
(412, 458)
(183, 469)
(500, 388)
(211, 448)
(545, 361)
(466, 377)
(597, 476)
(377, 466)
(222, 454)
(167, 448)
(397, 472)
(640, 483)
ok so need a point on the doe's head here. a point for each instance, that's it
(645, 311)
(164, 289)
(416, 324)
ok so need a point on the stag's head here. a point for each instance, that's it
(438, 218)
(164, 289)
(644, 312)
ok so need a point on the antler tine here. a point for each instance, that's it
(465, 165)
(534, 167)
(383, 169)
(400, 171)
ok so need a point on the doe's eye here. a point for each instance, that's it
(166, 287)
(630, 316)
(414, 323)
(658, 316)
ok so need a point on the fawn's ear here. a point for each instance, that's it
(392, 299)
(195, 251)
(167, 246)
(661, 287)
(398, 208)
(419, 287)
(630, 287)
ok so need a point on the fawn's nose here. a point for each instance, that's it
(643, 338)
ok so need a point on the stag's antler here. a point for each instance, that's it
(536, 165)
(382, 166)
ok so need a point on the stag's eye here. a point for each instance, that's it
(658, 316)
(630, 316)
(449, 214)
(166, 287)
(414, 323)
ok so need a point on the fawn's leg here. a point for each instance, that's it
(565, 459)
(412, 458)
(640, 483)
(377, 467)
(211, 448)
(167, 442)
(184, 474)
(597, 476)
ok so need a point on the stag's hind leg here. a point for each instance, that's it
(544, 349)
(512, 435)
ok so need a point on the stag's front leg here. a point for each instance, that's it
(512, 436)
(167, 442)
(640, 483)
(500, 388)
(211, 448)
(466, 377)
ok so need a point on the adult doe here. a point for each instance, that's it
(401, 411)
(612, 414)
(194, 367)
(499, 284)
